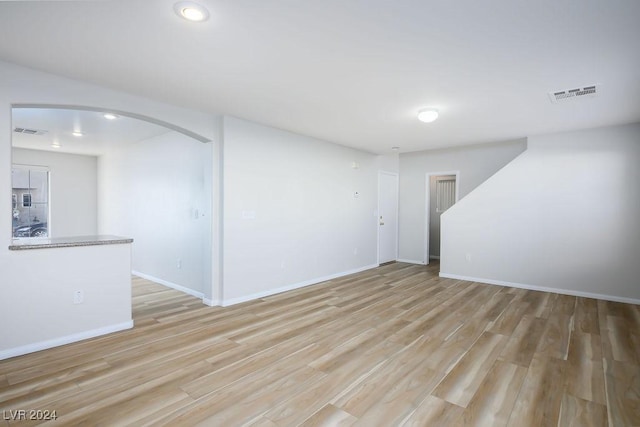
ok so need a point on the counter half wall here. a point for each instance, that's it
(67, 290)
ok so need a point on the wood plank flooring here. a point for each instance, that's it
(392, 346)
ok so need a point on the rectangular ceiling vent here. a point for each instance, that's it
(579, 92)
(30, 131)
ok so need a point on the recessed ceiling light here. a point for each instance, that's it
(77, 133)
(428, 115)
(55, 144)
(110, 116)
(191, 11)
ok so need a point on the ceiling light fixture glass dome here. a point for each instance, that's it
(191, 11)
(428, 115)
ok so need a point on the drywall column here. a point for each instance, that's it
(214, 294)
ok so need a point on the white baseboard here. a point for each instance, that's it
(543, 288)
(211, 302)
(434, 257)
(411, 261)
(68, 339)
(238, 300)
(170, 285)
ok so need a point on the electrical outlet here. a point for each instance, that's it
(78, 297)
(179, 263)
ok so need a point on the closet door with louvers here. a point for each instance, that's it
(442, 195)
(445, 193)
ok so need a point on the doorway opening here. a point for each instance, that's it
(80, 171)
(441, 192)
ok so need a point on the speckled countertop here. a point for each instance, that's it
(66, 242)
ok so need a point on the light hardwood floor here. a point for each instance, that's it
(396, 345)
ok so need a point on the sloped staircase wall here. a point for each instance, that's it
(563, 216)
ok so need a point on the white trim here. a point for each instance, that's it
(543, 289)
(39, 168)
(238, 300)
(68, 339)
(434, 257)
(169, 284)
(211, 302)
(427, 207)
(411, 261)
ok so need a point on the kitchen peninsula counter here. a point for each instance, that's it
(66, 242)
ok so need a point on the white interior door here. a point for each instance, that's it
(387, 217)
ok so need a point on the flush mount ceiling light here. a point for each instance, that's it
(77, 133)
(191, 11)
(428, 115)
(109, 116)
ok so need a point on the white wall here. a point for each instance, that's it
(388, 162)
(290, 217)
(156, 191)
(564, 216)
(73, 185)
(475, 164)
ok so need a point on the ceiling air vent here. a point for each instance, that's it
(564, 95)
(30, 131)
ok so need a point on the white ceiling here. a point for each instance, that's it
(354, 72)
(99, 134)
